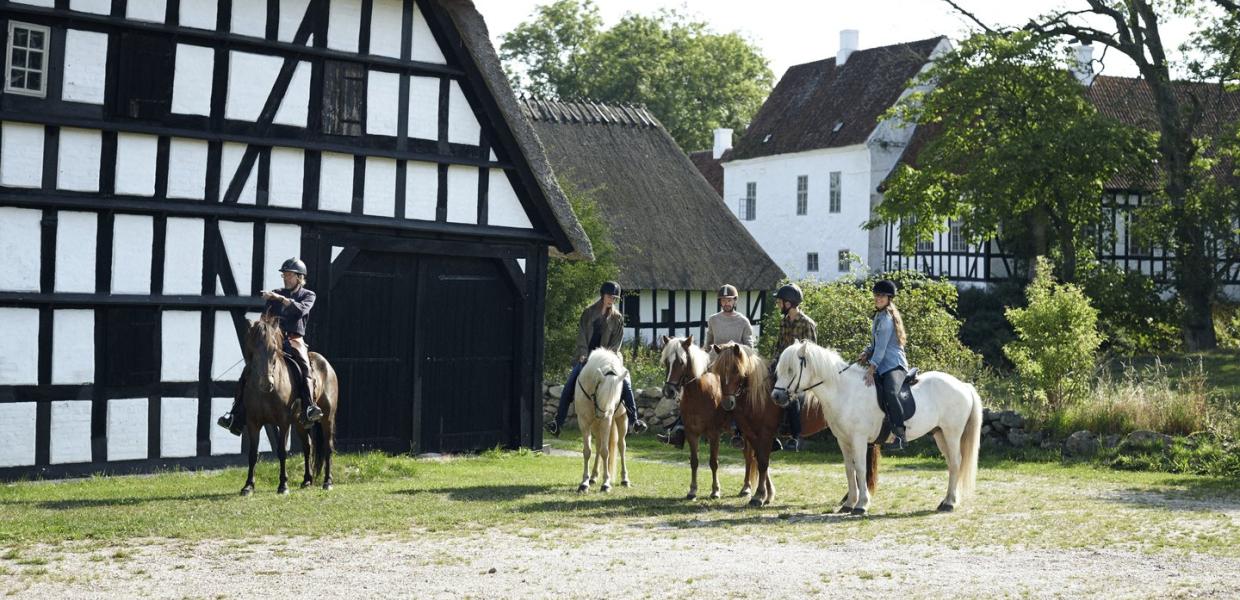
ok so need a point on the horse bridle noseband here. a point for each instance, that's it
(683, 382)
(797, 381)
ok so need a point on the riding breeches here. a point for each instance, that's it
(297, 348)
(566, 397)
(889, 385)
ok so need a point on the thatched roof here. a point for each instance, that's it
(571, 239)
(818, 105)
(670, 228)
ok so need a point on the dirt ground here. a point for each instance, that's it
(608, 561)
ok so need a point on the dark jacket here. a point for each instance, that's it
(613, 330)
(293, 318)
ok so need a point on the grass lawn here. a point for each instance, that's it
(1033, 504)
(1221, 367)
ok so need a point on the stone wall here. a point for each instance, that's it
(658, 412)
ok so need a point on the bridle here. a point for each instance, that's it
(598, 410)
(682, 382)
(796, 382)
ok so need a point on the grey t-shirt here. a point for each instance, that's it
(723, 327)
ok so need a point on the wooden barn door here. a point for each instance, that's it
(467, 335)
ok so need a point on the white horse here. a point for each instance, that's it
(948, 408)
(601, 417)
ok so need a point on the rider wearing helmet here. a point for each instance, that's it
(291, 305)
(601, 326)
(887, 364)
(795, 325)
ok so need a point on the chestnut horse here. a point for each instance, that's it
(746, 386)
(699, 397)
(270, 398)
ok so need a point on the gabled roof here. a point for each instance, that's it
(477, 42)
(671, 229)
(818, 105)
(710, 167)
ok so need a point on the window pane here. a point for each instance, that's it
(19, 57)
(36, 39)
(20, 37)
(34, 80)
(35, 60)
(17, 79)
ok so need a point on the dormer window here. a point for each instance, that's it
(766, 139)
(838, 126)
(26, 59)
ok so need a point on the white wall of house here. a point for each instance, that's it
(687, 308)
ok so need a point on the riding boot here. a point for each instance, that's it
(310, 412)
(738, 441)
(636, 425)
(890, 384)
(674, 435)
(794, 425)
(234, 419)
(566, 398)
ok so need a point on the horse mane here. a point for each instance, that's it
(752, 367)
(826, 362)
(698, 360)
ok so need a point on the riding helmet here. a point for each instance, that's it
(610, 288)
(790, 293)
(728, 291)
(293, 265)
(886, 287)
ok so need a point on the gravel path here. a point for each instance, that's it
(607, 561)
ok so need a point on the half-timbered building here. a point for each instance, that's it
(160, 158)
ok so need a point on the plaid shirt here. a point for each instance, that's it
(803, 328)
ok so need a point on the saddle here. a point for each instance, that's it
(295, 371)
(904, 397)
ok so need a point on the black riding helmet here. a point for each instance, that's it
(728, 291)
(610, 288)
(790, 293)
(293, 265)
(886, 287)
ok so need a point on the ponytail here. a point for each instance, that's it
(898, 321)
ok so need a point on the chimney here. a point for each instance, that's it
(848, 45)
(723, 141)
(1084, 69)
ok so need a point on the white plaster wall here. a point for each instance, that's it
(287, 168)
(19, 346)
(463, 126)
(20, 248)
(239, 247)
(296, 102)
(21, 155)
(73, 346)
(424, 108)
(336, 182)
(146, 10)
(45, 3)
(135, 163)
(17, 425)
(86, 58)
(75, 251)
(379, 197)
(178, 427)
(251, 78)
(226, 348)
(222, 442)
(191, 80)
(521, 263)
(78, 159)
(425, 48)
(180, 332)
(291, 14)
(421, 190)
(231, 156)
(503, 207)
(385, 28)
(788, 237)
(187, 168)
(282, 242)
(462, 194)
(99, 7)
(382, 102)
(183, 249)
(199, 14)
(249, 18)
(127, 429)
(344, 21)
(70, 432)
(131, 254)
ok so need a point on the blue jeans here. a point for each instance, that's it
(566, 397)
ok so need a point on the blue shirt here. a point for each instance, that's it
(885, 350)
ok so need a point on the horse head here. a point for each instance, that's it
(796, 373)
(264, 351)
(677, 360)
(733, 366)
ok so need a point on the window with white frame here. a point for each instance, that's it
(834, 190)
(802, 194)
(955, 238)
(811, 262)
(26, 59)
(749, 202)
(920, 244)
(845, 261)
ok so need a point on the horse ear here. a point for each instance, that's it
(688, 341)
(663, 340)
(801, 349)
(714, 348)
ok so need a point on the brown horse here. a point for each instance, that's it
(700, 409)
(270, 398)
(746, 386)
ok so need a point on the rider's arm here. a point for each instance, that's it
(747, 334)
(303, 306)
(882, 338)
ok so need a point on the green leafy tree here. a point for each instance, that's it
(1019, 151)
(692, 78)
(1056, 339)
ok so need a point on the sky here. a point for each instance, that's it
(791, 32)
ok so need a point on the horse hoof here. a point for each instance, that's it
(581, 489)
(744, 494)
(715, 495)
(307, 483)
(246, 491)
(857, 512)
(327, 485)
(756, 502)
(593, 481)
(691, 496)
(282, 490)
(606, 487)
(626, 483)
(945, 507)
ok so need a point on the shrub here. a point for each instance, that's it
(984, 326)
(1227, 325)
(1056, 340)
(1132, 316)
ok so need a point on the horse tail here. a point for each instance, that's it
(872, 457)
(970, 444)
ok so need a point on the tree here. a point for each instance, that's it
(1133, 28)
(693, 79)
(1018, 150)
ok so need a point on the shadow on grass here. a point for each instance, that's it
(1190, 494)
(768, 515)
(113, 502)
(484, 493)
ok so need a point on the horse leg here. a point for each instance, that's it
(604, 449)
(623, 447)
(282, 432)
(751, 470)
(307, 479)
(251, 436)
(714, 464)
(950, 446)
(585, 459)
(762, 456)
(857, 454)
(850, 497)
(693, 440)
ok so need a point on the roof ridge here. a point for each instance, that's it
(860, 50)
(587, 111)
